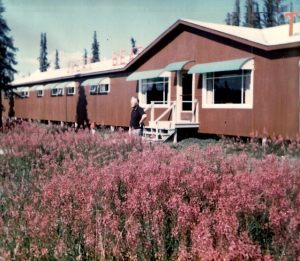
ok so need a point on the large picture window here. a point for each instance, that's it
(155, 90)
(228, 89)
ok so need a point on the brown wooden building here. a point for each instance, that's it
(215, 78)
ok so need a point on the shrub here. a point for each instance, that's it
(67, 196)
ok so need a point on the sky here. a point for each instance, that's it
(70, 25)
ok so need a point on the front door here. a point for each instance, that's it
(186, 92)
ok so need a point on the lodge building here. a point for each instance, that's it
(212, 78)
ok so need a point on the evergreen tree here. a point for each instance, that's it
(56, 65)
(273, 13)
(95, 49)
(44, 65)
(7, 58)
(85, 57)
(233, 18)
(236, 14)
(228, 19)
(257, 18)
(280, 9)
(252, 14)
(249, 13)
(292, 9)
(133, 45)
(41, 53)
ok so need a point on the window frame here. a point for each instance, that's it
(37, 93)
(143, 96)
(248, 102)
(70, 93)
(99, 91)
(24, 94)
(57, 94)
(96, 89)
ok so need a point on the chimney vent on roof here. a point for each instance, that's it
(291, 16)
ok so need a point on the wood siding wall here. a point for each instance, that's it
(275, 94)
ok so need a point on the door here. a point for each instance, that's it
(186, 92)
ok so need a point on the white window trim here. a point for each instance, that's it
(37, 93)
(143, 97)
(54, 95)
(67, 91)
(99, 88)
(93, 92)
(25, 94)
(248, 105)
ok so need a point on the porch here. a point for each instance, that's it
(172, 118)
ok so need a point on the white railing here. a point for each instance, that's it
(194, 110)
(174, 117)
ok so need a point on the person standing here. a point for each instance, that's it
(137, 117)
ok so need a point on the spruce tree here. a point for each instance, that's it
(85, 57)
(56, 66)
(7, 58)
(257, 18)
(249, 13)
(43, 60)
(236, 14)
(273, 15)
(233, 18)
(95, 49)
(252, 14)
(46, 63)
(228, 19)
(41, 53)
(292, 9)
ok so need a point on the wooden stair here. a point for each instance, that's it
(157, 134)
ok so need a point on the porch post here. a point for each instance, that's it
(193, 97)
(178, 96)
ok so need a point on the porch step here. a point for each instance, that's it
(161, 135)
(161, 124)
(186, 124)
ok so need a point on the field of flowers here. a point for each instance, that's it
(68, 195)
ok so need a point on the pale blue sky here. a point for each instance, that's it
(69, 24)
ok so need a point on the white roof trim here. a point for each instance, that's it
(267, 36)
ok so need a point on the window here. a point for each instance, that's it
(155, 90)
(103, 88)
(93, 89)
(70, 91)
(40, 93)
(231, 89)
(57, 92)
(99, 89)
(24, 94)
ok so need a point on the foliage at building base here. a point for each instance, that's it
(69, 195)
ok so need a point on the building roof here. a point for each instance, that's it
(268, 39)
(91, 69)
(267, 36)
